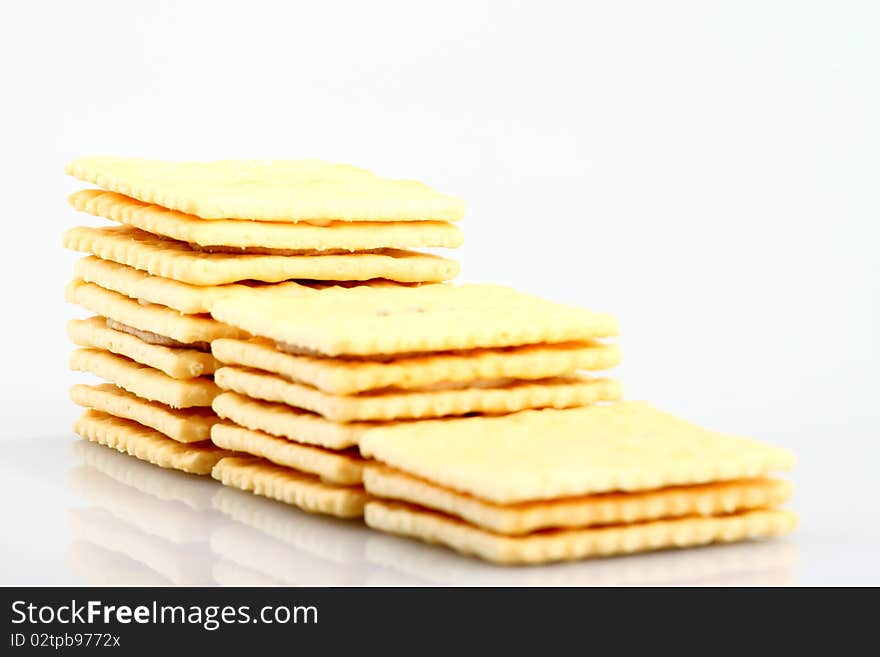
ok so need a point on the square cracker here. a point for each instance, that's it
(145, 382)
(147, 444)
(172, 259)
(369, 321)
(301, 490)
(584, 511)
(182, 297)
(285, 422)
(190, 425)
(496, 397)
(175, 362)
(152, 318)
(279, 190)
(337, 235)
(570, 544)
(331, 466)
(349, 376)
(548, 454)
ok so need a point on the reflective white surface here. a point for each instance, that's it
(707, 172)
(94, 516)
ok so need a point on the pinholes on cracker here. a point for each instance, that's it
(280, 190)
(370, 321)
(628, 446)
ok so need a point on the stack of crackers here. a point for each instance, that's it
(324, 369)
(266, 323)
(188, 234)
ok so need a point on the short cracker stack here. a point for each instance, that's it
(323, 369)
(188, 234)
(554, 485)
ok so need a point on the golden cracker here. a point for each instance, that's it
(392, 320)
(189, 425)
(570, 544)
(585, 511)
(301, 490)
(331, 466)
(175, 362)
(549, 454)
(147, 444)
(171, 259)
(337, 235)
(152, 318)
(349, 376)
(279, 190)
(145, 382)
(182, 297)
(501, 397)
(286, 422)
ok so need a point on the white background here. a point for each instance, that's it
(708, 171)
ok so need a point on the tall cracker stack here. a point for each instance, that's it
(468, 415)
(188, 234)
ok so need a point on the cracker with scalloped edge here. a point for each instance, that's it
(151, 318)
(182, 297)
(298, 489)
(369, 321)
(504, 396)
(583, 511)
(285, 422)
(569, 544)
(189, 425)
(349, 376)
(172, 259)
(238, 234)
(268, 190)
(147, 444)
(143, 381)
(176, 362)
(549, 454)
(333, 467)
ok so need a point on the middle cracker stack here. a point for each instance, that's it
(324, 369)
(191, 233)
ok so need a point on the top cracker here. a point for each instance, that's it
(550, 454)
(273, 190)
(370, 321)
